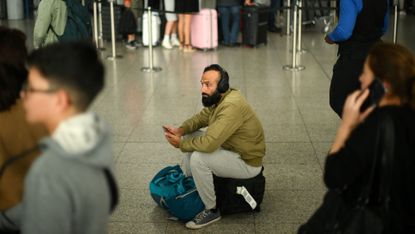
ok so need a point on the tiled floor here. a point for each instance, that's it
(293, 107)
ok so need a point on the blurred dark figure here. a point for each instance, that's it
(16, 135)
(361, 25)
(229, 12)
(271, 17)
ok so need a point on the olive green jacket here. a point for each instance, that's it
(232, 125)
(50, 13)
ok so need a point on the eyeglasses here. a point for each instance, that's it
(27, 89)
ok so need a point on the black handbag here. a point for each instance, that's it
(334, 216)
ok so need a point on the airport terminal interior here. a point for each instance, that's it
(293, 107)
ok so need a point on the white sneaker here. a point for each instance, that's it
(166, 44)
(175, 42)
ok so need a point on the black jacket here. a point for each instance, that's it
(352, 164)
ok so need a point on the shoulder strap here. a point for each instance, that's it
(53, 31)
(387, 162)
(50, 25)
(365, 194)
(113, 189)
(17, 157)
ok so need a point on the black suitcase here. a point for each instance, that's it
(229, 202)
(255, 24)
(106, 22)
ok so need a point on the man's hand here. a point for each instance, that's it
(173, 139)
(328, 40)
(175, 131)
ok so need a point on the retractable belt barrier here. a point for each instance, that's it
(395, 20)
(296, 8)
(114, 55)
(294, 66)
(150, 68)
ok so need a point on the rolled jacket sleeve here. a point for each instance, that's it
(197, 122)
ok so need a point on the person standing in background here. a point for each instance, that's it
(361, 25)
(185, 9)
(128, 26)
(271, 17)
(170, 36)
(229, 11)
(50, 14)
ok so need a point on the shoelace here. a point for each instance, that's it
(201, 216)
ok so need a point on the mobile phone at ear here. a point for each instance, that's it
(376, 92)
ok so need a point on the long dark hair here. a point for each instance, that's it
(395, 64)
(13, 54)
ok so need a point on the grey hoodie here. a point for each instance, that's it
(66, 190)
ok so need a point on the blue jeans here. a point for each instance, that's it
(230, 31)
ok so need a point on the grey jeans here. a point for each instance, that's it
(222, 163)
(10, 219)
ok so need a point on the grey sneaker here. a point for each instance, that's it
(132, 45)
(204, 218)
(136, 43)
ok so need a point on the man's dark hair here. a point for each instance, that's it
(13, 53)
(215, 67)
(73, 66)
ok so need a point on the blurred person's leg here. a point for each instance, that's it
(187, 39)
(173, 37)
(180, 27)
(271, 16)
(224, 12)
(171, 19)
(345, 80)
(166, 40)
(222, 163)
(235, 11)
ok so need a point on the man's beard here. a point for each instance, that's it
(210, 100)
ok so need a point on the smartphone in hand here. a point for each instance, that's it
(376, 92)
(166, 129)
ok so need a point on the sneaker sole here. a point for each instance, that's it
(202, 225)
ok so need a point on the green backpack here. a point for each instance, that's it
(78, 24)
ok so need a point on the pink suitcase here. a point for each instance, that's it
(204, 29)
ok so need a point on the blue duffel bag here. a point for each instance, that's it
(173, 191)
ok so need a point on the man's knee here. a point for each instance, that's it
(196, 159)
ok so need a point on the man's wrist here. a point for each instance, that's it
(181, 131)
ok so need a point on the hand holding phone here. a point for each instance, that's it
(376, 92)
(165, 129)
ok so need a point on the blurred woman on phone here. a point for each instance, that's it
(350, 159)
